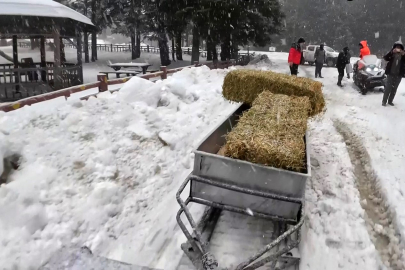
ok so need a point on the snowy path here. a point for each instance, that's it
(372, 133)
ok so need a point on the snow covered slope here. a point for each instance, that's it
(93, 170)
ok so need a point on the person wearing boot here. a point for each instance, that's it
(295, 56)
(341, 64)
(320, 57)
(395, 70)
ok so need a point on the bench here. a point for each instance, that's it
(118, 73)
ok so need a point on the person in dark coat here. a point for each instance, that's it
(395, 70)
(320, 58)
(295, 56)
(341, 64)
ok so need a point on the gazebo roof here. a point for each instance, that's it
(40, 13)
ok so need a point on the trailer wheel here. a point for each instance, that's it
(330, 62)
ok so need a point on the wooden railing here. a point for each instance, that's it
(102, 85)
(128, 48)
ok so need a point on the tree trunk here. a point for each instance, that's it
(195, 55)
(164, 50)
(209, 49)
(234, 51)
(133, 46)
(214, 52)
(173, 51)
(225, 50)
(34, 43)
(86, 47)
(138, 42)
(187, 39)
(93, 46)
(179, 53)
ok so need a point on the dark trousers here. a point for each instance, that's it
(318, 69)
(391, 88)
(341, 75)
(294, 70)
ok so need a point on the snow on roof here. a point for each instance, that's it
(40, 8)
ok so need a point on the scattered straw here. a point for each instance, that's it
(271, 132)
(245, 85)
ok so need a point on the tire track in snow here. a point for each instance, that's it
(380, 220)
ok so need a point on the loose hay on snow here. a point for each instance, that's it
(245, 85)
(272, 132)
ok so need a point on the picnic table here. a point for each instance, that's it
(118, 66)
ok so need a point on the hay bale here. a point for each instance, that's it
(245, 85)
(272, 132)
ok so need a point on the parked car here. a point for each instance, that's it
(331, 55)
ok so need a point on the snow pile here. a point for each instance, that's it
(92, 170)
(261, 59)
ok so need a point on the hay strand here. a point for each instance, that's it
(245, 85)
(272, 132)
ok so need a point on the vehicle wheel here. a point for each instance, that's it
(330, 62)
(302, 61)
(363, 91)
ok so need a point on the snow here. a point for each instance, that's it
(92, 171)
(107, 173)
(40, 8)
(334, 234)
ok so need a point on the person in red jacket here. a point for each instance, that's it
(364, 49)
(295, 56)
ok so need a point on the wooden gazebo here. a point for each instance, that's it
(43, 20)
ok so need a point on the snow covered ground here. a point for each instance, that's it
(92, 171)
(104, 173)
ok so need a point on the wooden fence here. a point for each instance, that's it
(102, 85)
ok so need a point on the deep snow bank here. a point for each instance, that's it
(92, 170)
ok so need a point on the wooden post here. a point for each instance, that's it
(103, 86)
(15, 61)
(57, 73)
(43, 60)
(111, 48)
(79, 54)
(164, 75)
(147, 47)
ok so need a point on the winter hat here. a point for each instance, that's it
(346, 49)
(301, 40)
(398, 44)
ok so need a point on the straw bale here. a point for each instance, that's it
(272, 132)
(245, 85)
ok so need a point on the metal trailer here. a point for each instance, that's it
(225, 184)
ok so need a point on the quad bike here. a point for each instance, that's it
(368, 74)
